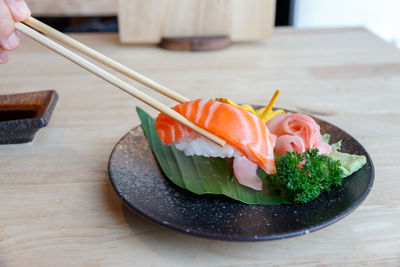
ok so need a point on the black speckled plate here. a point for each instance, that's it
(142, 186)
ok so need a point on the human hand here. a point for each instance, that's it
(11, 11)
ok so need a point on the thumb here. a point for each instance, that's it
(18, 9)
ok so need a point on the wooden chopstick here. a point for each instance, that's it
(74, 44)
(115, 81)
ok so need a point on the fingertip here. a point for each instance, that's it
(19, 34)
(4, 56)
(12, 42)
(20, 11)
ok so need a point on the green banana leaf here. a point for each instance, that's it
(202, 175)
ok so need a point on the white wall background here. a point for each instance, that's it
(380, 16)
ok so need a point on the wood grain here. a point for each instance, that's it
(148, 21)
(73, 7)
(57, 207)
(114, 80)
(101, 58)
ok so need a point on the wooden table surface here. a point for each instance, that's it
(57, 206)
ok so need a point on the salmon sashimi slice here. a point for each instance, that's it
(246, 173)
(241, 129)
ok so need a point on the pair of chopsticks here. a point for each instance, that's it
(68, 41)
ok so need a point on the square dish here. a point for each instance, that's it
(22, 115)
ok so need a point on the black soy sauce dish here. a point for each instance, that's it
(142, 186)
(22, 115)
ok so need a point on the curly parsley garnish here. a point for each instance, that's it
(318, 174)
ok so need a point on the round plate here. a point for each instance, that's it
(142, 186)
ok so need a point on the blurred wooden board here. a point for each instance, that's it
(196, 43)
(148, 21)
(73, 7)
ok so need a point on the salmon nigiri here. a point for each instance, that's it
(248, 139)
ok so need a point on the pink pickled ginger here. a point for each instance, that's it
(296, 132)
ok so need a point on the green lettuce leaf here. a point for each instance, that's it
(202, 175)
(326, 137)
(350, 163)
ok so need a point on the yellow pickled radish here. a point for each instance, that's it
(230, 102)
(263, 113)
(267, 113)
